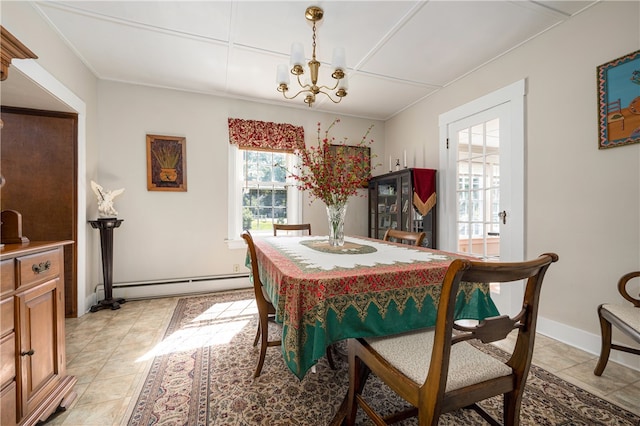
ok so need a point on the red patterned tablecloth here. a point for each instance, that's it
(366, 288)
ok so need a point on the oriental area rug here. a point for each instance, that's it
(202, 374)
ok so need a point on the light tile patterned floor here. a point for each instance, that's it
(106, 352)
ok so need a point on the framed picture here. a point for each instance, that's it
(361, 153)
(166, 163)
(619, 101)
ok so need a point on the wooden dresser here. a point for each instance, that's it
(33, 379)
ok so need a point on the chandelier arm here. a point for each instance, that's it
(304, 86)
(335, 86)
(329, 96)
(296, 95)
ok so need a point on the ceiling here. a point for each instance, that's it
(398, 52)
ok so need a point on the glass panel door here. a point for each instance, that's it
(478, 189)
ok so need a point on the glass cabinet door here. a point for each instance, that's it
(387, 196)
(405, 208)
(391, 207)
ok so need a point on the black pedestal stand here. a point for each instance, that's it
(106, 227)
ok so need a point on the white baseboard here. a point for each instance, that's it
(586, 341)
(175, 287)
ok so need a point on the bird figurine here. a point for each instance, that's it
(105, 200)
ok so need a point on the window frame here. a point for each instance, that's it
(236, 187)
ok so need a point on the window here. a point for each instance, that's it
(264, 199)
(260, 193)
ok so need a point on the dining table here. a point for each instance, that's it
(323, 294)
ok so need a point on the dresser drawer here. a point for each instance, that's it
(7, 277)
(7, 359)
(6, 316)
(39, 267)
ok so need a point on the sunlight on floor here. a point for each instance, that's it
(216, 326)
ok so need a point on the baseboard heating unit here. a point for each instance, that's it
(176, 286)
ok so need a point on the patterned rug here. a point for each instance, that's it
(202, 375)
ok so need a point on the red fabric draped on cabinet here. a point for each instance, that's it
(424, 195)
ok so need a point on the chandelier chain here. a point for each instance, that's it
(314, 40)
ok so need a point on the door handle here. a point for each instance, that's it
(503, 215)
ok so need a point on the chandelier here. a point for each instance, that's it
(310, 90)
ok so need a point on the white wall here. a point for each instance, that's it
(182, 234)
(581, 202)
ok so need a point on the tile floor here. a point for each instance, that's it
(106, 352)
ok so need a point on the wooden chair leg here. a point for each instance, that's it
(332, 364)
(605, 329)
(511, 409)
(264, 332)
(358, 375)
(255, 341)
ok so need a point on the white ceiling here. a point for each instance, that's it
(398, 52)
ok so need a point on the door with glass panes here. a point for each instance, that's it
(482, 165)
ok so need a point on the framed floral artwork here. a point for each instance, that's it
(619, 101)
(358, 159)
(166, 163)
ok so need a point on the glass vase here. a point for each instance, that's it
(336, 214)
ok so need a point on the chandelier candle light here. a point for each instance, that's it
(313, 14)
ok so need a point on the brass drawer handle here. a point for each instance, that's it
(31, 352)
(42, 267)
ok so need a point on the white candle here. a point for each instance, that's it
(390, 164)
(283, 74)
(405, 158)
(297, 54)
(339, 61)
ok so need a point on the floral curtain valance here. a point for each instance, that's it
(253, 134)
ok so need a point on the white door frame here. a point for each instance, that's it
(512, 201)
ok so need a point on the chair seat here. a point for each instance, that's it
(467, 366)
(626, 317)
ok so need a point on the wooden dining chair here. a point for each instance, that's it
(438, 370)
(625, 317)
(415, 238)
(292, 227)
(266, 310)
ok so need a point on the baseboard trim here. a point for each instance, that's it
(175, 287)
(583, 340)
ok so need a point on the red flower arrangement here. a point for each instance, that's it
(333, 173)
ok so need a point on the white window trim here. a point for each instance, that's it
(234, 220)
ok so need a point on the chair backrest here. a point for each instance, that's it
(255, 271)
(402, 236)
(622, 288)
(291, 227)
(490, 329)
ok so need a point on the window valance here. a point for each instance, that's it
(257, 135)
